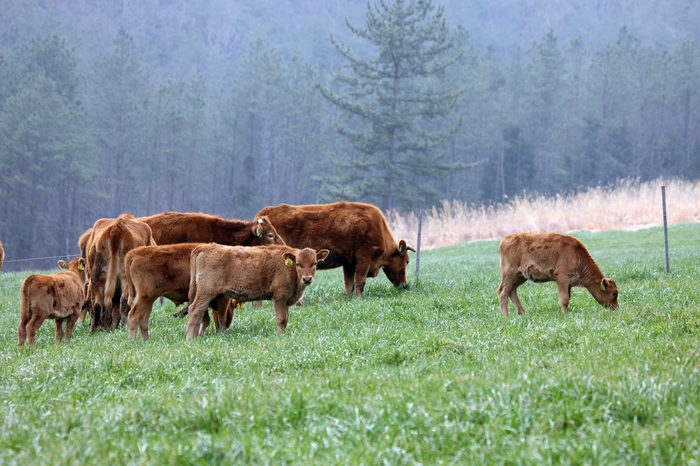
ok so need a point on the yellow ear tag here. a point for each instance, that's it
(602, 286)
(288, 261)
(81, 266)
(240, 305)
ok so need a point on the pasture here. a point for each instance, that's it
(431, 375)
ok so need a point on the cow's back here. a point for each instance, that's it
(539, 255)
(342, 227)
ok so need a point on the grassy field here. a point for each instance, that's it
(431, 375)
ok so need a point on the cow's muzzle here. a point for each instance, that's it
(307, 280)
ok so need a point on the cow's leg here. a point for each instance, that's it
(32, 327)
(564, 294)
(206, 320)
(223, 314)
(139, 314)
(59, 330)
(182, 312)
(70, 325)
(361, 271)
(503, 293)
(95, 316)
(197, 307)
(84, 311)
(22, 329)
(282, 315)
(349, 278)
(514, 294)
(124, 309)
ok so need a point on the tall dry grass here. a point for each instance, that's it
(628, 205)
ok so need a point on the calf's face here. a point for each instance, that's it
(607, 295)
(305, 262)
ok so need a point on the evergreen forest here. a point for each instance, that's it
(226, 107)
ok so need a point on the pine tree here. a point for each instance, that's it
(395, 106)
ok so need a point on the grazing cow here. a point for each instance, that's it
(111, 239)
(277, 273)
(2, 255)
(546, 257)
(177, 227)
(357, 236)
(59, 296)
(154, 271)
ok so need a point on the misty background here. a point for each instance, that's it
(228, 106)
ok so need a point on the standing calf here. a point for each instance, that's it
(277, 273)
(546, 257)
(154, 271)
(59, 296)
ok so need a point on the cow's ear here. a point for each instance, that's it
(289, 258)
(63, 264)
(322, 254)
(402, 247)
(604, 284)
(258, 228)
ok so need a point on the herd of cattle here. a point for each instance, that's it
(127, 263)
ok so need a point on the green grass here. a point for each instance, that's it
(434, 374)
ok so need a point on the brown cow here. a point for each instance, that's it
(2, 255)
(59, 296)
(546, 257)
(154, 271)
(111, 239)
(357, 236)
(277, 273)
(177, 227)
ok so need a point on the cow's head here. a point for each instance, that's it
(264, 234)
(76, 266)
(395, 263)
(305, 262)
(607, 294)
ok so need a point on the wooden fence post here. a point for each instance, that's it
(663, 202)
(420, 228)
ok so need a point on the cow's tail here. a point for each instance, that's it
(192, 292)
(128, 286)
(111, 279)
(26, 302)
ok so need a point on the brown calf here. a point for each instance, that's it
(59, 296)
(109, 242)
(357, 236)
(277, 273)
(154, 271)
(546, 257)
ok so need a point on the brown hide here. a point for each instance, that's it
(155, 271)
(2, 255)
(59, 296)
(357, 236)
(546, 257)
(177, 227)
(111, 239)
(277, 273)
